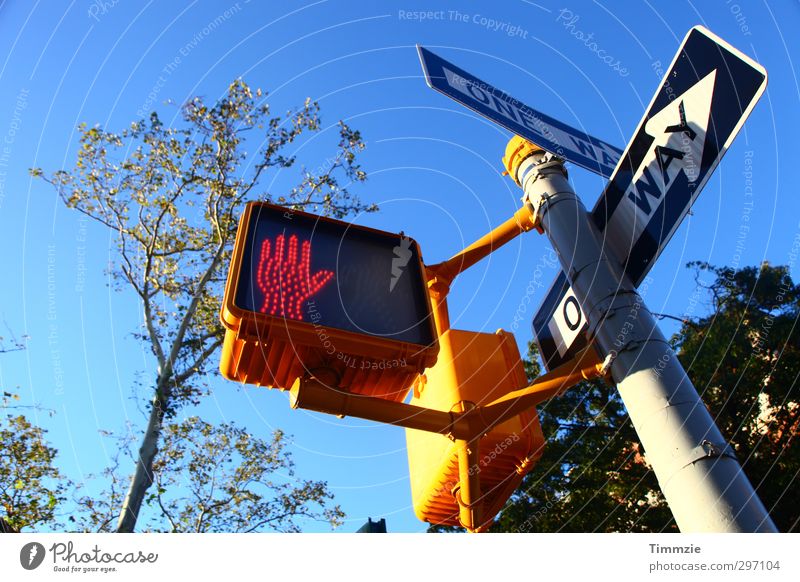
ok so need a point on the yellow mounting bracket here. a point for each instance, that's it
(446, 271)
(467, 424)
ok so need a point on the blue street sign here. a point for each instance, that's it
(548, 133)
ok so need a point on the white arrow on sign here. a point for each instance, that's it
(678, 140)
(707, 93)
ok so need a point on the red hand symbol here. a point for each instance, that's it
(288, 283)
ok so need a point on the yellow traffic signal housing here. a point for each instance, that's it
(476, 368)
(312, 296)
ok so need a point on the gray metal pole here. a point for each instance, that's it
(699, 475)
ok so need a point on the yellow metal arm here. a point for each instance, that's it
(585, 366)
(446, 271)
(311, 394)
(468, 425)
(441, 275)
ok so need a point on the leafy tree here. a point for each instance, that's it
(744, 359)
(592, 476)
(31, 486)
(15, 344)
(239, 483)
(99, 512)
(211, 478)
(173, 195)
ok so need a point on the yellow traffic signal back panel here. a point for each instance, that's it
(478, 368)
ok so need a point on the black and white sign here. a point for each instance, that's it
(707, 93)
(560, 324)
(551, 134)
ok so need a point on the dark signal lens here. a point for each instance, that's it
(334, 275)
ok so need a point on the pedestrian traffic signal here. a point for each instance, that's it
(309, 295)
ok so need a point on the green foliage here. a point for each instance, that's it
(99, 512)
(31, 486)
(239, 483)
(592, 476)
(744, 359)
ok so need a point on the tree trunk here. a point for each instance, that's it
(143, 475)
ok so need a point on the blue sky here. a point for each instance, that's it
(434, 169)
